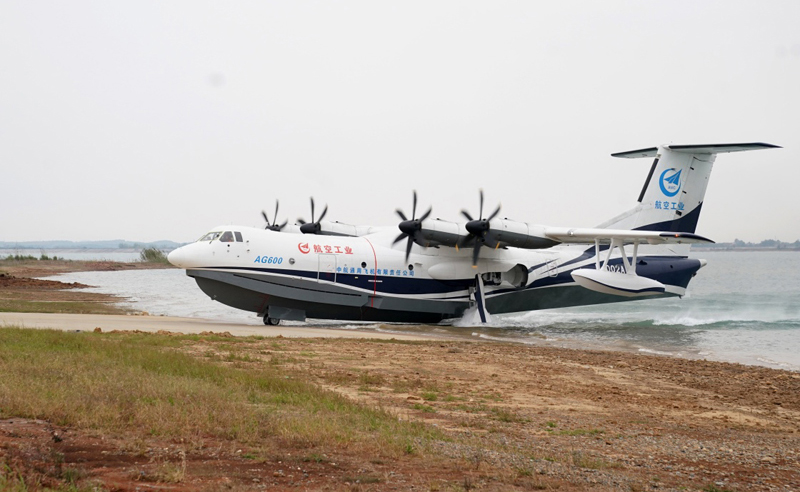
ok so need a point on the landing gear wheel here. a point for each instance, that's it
(271, 321)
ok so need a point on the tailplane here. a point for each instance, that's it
(672, 195)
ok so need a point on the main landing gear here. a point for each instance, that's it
(271, 321)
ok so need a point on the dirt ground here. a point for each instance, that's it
(514, 417)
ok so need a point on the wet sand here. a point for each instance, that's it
(155, 324)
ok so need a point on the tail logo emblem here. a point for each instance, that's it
(670, 185)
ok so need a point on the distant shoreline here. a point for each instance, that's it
(714, 247)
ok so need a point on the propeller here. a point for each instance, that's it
(274, 225)
(478, 228)
(410, 228)
(312, 227)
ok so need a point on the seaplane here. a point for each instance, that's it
(435, 271)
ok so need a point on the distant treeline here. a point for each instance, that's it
(111, 244)
(739, 244)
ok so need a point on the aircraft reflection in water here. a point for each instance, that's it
(435, 270)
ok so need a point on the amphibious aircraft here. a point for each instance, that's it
(435, 270)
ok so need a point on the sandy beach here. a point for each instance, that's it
(155, 324)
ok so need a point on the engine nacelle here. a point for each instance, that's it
(328, 228)
(437, 232)
(518, 235)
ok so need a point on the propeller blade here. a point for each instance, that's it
(322, 216)
(426, 214)
(400, 237)
(301, 221)
(480, 217)
(401, 214)
(408, 247)
(312, 209)
(494, 214)
(263, 213)
(475, 253)
(467, 215)
(414, 208)
(275, 220)
(280, 227)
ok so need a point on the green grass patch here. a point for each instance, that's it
(153, 255)
(371, 379)
(424, 408)
(144, 384)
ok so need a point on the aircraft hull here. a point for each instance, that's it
(344, 297)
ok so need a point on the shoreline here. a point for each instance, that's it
(33, 294)
(186, 326)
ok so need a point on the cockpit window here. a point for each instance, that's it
(210, 236)
(238, 236)
(227, 237)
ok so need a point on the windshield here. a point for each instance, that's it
(210, 236)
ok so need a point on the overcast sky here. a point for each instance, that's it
(159, 120)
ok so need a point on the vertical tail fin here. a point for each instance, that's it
(672, 196)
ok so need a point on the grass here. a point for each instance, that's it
(19, 257)
(423, 408)
(153, 255)
(507, 415)
(141, 384)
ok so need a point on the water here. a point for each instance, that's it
(742, 307)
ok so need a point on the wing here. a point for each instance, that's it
(604, 236)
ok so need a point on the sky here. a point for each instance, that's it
(160, 120)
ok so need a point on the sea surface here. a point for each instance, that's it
(742, 307)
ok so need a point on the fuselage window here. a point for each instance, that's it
(210, 236)
(227, 237)
(238, 236)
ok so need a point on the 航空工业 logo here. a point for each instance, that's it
(670, 185)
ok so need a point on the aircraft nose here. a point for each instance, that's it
(177, 257)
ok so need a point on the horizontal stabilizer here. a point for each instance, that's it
(604, 236)
(697, 149)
